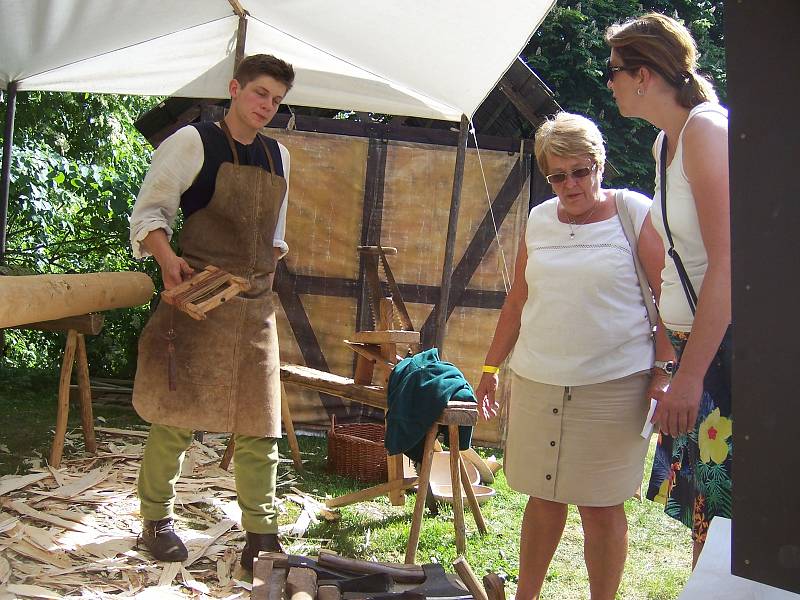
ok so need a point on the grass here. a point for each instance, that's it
(659, 555)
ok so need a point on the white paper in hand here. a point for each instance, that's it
(647, 429)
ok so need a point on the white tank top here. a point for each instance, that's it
(685, 228)
(584, 320)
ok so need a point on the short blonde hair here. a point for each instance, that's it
(665, 46)
(569, 136)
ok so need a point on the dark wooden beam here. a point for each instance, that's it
(339, 287)
(484, 237)
(397, 133)
(450, 240)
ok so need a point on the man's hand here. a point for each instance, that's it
(678, 405)
(487, 404)
(174, 271)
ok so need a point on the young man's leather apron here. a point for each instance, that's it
(228, 368)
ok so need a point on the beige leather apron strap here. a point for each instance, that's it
(224, 126)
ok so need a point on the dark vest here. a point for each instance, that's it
(217, 151)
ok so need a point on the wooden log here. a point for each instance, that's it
(90, 324)
(35, 298)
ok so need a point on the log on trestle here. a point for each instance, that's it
(32, 298)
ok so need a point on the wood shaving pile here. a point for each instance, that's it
(72, 532)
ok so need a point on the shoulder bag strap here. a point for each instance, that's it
(688, 289)
(630, 234)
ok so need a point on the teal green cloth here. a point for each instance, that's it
(419, 389)
(255, 461)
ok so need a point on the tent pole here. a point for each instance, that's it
(241, 36)
(452, 226)
(5, 174)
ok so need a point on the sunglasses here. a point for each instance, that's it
(612, 70)
(579, 173)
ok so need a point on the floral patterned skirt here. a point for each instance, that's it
(691, 473)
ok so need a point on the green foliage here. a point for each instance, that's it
(569, 53)
(76, 168)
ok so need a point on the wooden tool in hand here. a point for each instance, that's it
(205, 291)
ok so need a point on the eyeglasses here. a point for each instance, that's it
(578, 173)
(612, 70)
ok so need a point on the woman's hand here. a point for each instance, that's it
(485, 394)
(678, 405)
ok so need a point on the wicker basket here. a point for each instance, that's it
(356, 450)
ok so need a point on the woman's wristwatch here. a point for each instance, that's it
(668, 366)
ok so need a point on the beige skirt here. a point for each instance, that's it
(577, 445)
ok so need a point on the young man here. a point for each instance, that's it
(221, 374)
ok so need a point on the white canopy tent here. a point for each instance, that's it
(413, 57)
(417, 58)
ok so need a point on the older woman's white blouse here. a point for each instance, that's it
(584, 321)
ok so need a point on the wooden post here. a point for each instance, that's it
(422, 492)
(286, 414)
(85, 393)
(57, 450)
(452, 226)
(458, 499)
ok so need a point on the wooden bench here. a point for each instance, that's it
(453, 416)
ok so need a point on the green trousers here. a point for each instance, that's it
(255, 468)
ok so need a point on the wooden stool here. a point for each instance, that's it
(74, 349)
(456, 413)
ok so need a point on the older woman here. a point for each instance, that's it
(583, 360)
(653, 76)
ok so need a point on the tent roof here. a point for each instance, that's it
(427, 59)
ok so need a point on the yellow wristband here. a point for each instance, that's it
(490, 369)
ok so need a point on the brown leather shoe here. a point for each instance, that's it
(160, 539)
(256, 542)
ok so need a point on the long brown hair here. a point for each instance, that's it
(665, 46)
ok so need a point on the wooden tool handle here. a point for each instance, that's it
(495, 586)
(328, 592)
(469, 578)
(301, 584)
(399, 573)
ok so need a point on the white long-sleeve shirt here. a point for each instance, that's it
(174, 167)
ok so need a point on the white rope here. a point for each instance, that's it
(504, 271)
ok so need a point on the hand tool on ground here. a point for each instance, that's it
(495, 586)
(328, 592)
(469, 579)
(437, 585)
(287, 561)
(407, 595)
(301, 584)
(372, 583)
(399, 573)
